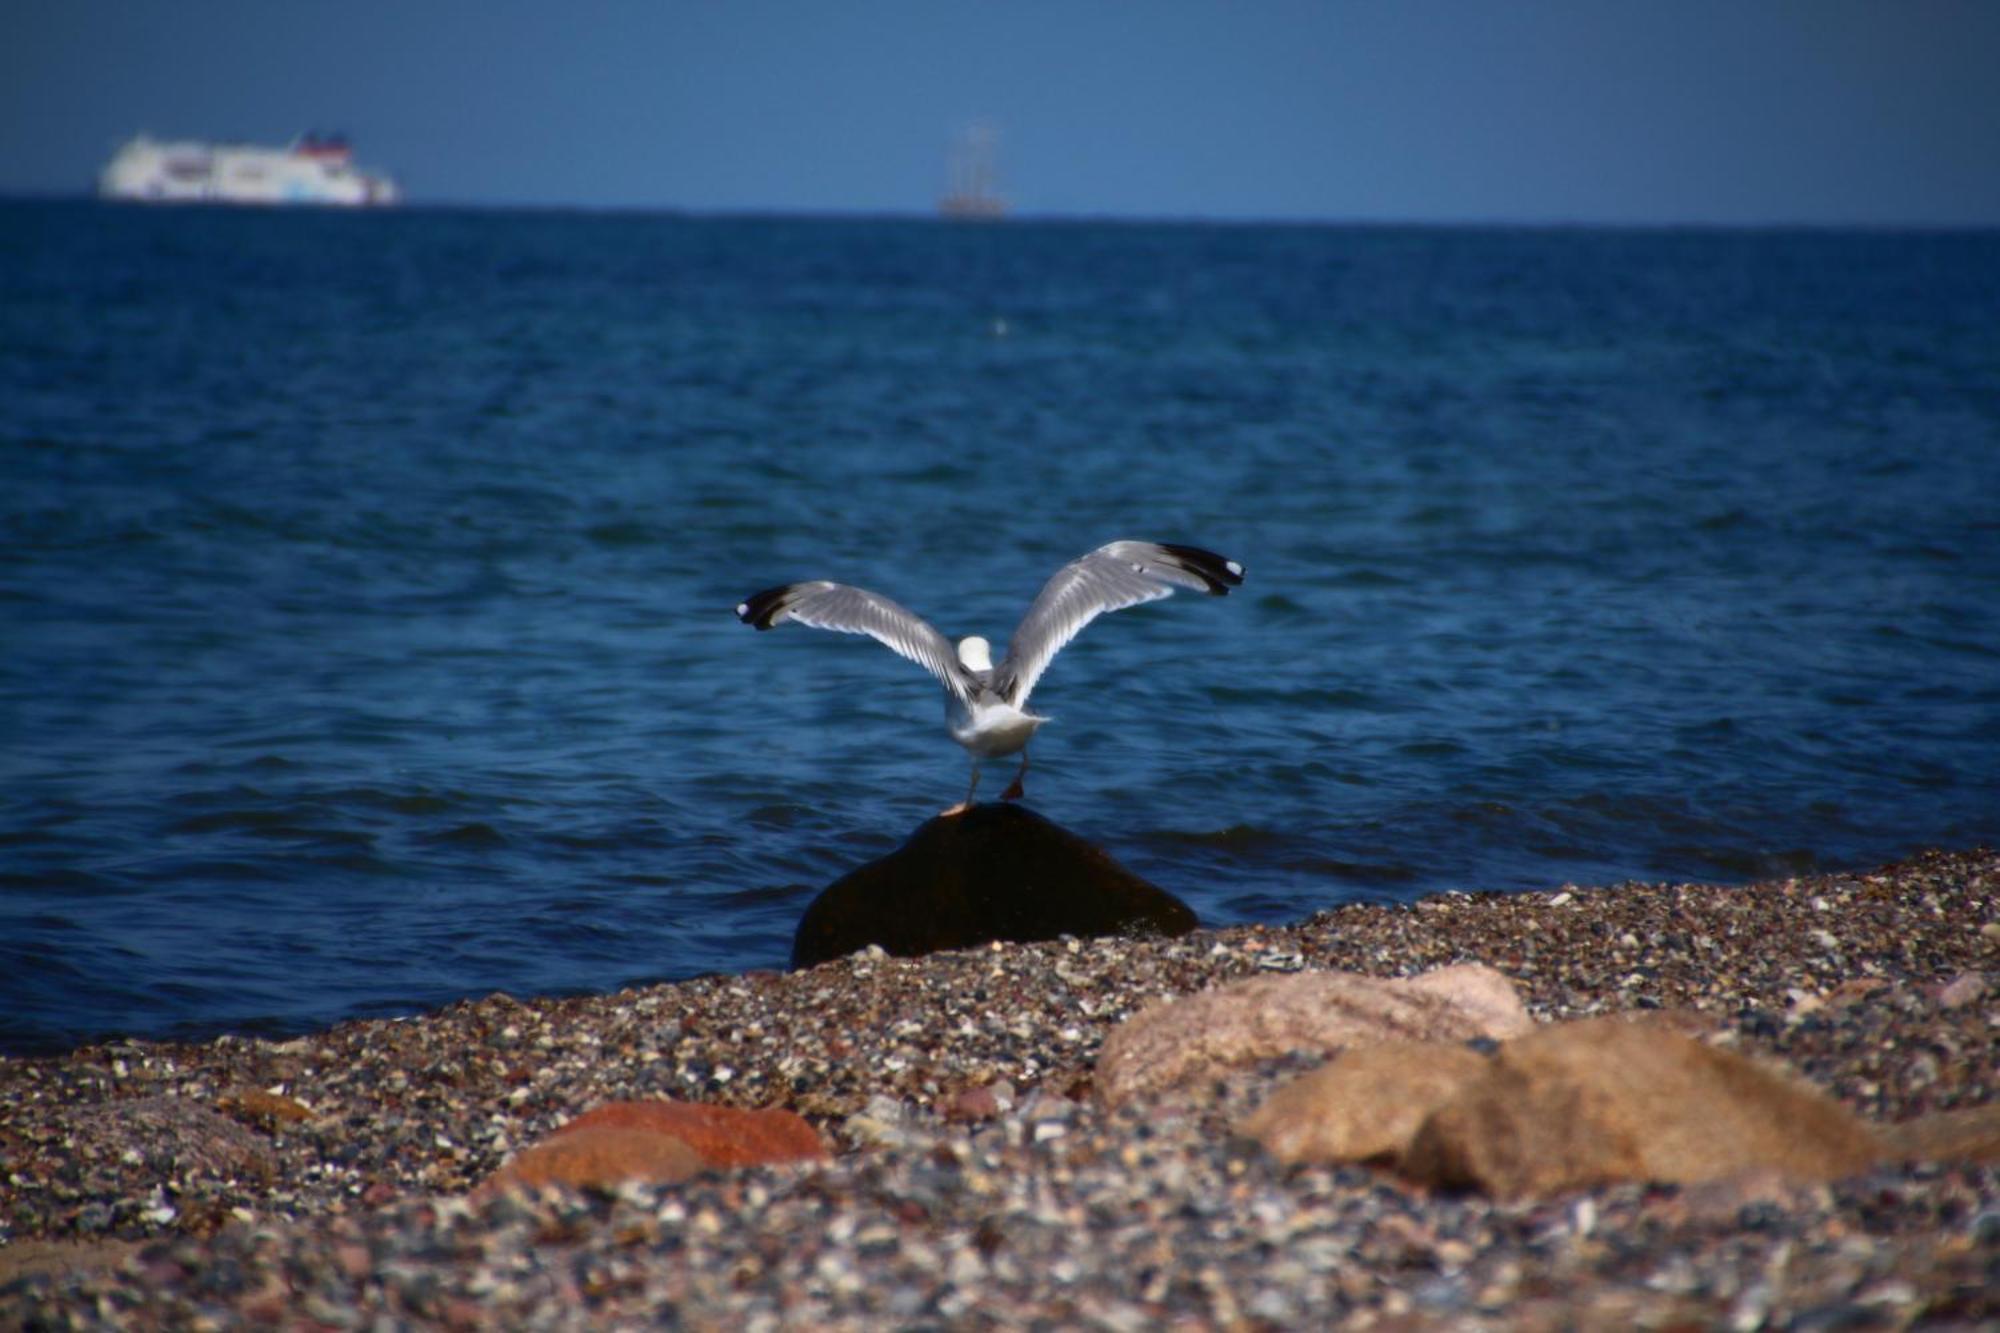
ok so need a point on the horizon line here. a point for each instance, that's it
(1037, 218)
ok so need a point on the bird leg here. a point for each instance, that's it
(1015, 791)
(965, 804)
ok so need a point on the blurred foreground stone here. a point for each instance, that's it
(1366, 1105)
(600, 1159)
(1604, 1100)
(1587, 1103)
(1265, 1017)
(996, 872)
(659, 1141)
(1968, 1135)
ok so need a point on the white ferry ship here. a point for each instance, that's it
(314, 169)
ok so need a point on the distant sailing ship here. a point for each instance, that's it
(313, 169)
(970, 176)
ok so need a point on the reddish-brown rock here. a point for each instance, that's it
(1321, 1012)
(600, 1159)
(660, 1141)
(1586, 1103)
(721, 1135)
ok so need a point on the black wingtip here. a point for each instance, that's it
(1219, 572)
(760, 610)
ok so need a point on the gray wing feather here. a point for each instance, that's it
(1111, 578)
(850, 610)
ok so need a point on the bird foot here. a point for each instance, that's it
(958, 809)
(1015, 791)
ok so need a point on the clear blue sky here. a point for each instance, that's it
(1727, 111)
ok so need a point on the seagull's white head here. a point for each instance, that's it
(975, 653)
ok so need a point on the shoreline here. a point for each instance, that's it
(325, 1173)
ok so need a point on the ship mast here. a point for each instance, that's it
(970, 175)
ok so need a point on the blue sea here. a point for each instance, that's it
(366, 581)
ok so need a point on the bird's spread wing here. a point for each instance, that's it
(1110, 578)
(837, 606)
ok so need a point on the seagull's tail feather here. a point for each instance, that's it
(1218, 572)
(763, 610)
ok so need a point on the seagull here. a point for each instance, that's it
(987, 706)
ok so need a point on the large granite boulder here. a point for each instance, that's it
(996, 872)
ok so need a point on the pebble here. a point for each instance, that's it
(1045, 1209)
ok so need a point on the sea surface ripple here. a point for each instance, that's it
(366, 581)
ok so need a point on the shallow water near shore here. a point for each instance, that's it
(366, 581)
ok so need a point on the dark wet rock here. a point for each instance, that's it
(996, 872)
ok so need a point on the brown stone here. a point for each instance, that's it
(1580, 1104)
(721, 1135)
(1722, 1201)
(1853, 991)
(269, 1109)
(996, 872)
(1971, 1135)
(176, 1135)
(1696, 1023)
(28, 1256)
(973, 1104)
(1318, 1012)
(1364, 1106)
(1963, 989)
(600, 1159)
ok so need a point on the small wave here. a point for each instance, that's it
(1365, 578)
(275, 825)
(625, 533)
(65, 878)
(475, 834)
(1431, 749)
(263, 763)
(1235, 838)
(219, 869)
(762, 896)
(1735, 863)
(358, 863)
(416, 804)
(1297, 700)
(1365, 873)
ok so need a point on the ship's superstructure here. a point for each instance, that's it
(314, 169)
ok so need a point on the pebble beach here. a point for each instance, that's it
(974, 1180)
